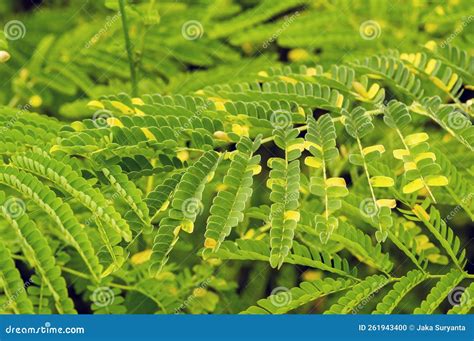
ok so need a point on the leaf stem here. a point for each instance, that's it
(128, 46)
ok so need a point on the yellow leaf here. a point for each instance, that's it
(417, 60)
(240, 130)
(291, 215)
(55, 148)
(166, 275)
(311, 161)
(413, 186)
(436, 180)
(187, 226)
(408, 166)
(138, 112)
(311, 275)
(137, 101)
(35, 101)
(77, 126)
(249, 234)
(288, 79)
(452, 81)
(95, 105)
(381, 181)
(141, 257)
(360, 89)
(210, 243)
(416, 138)
(430, 66)
(378, 147)
(220, 106)
(296, 146)
(420, 212)
(4, 56)
(164, 206)
(221, 187)
(339, 101)
(263, 74)
(200, 292)
(114, 122)
(183, 155)
(391, 203)
(427, 155)
(301, 111)
(308, 144)
(297, 55)
(439, 83)
(220, 135)
(148, 134)
(400, 153)
(256, 169)
(311, 71)
(335, 182)
(431, 45)
(124, 109)
(210, 176)
(373, 90)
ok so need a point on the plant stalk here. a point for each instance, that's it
(128, 46)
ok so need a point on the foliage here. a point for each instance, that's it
(286, 178)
